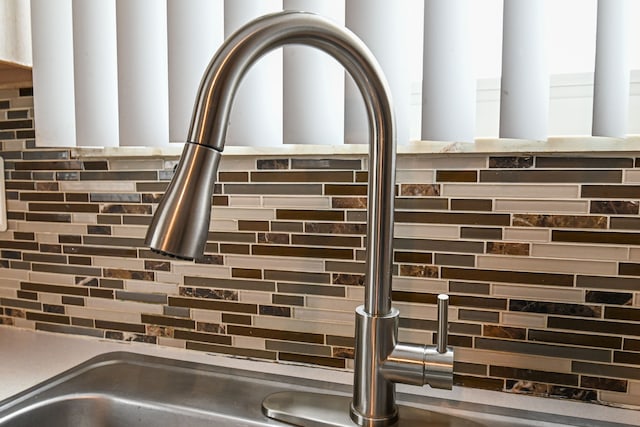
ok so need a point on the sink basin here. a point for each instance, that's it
(127, 389)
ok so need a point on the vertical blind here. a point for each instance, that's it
(125, 73)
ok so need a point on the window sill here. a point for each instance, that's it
(564, 144)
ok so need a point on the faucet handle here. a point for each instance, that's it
(443, 323)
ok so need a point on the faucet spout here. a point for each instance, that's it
(181, 222)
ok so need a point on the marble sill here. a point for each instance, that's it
(554, 145)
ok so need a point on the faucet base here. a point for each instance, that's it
(308, 409)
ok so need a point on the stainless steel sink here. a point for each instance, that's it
(126, 389)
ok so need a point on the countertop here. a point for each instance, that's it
(29, 357)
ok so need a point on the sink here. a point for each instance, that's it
(127, 389)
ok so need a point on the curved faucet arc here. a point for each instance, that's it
(180, 225)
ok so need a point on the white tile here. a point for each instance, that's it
(237, 163)
(24, 323)
(512, 360)
(415, 336)
(616, 253)
(419, 311)
(522, 191)
(123, 306)
(206, 316)
(434, 161)
(223, 224)
(244, 201)
(84, 218)
(51, 278)
(47, 298)
(203, 270)
(129, 230)
(426, 231)
(99, 314)
(9, 292)
(328, 303)
(356, 293)
(150, 287)
(538, 293)
(171, 342)
(420, 176)
(113, 262)
(631, 176)
(541, 206)
(546, 265)
(8, 273)
(135, 164)
(48, 227)
(17, 205)
(297, 325)
(319, 315)
(527, 320)
(248, 342)
(221, 212)
(252, 297)
(634, 254)
(527, 234)
(47, 238)
(418, 284)
(10, 145)
(319, 202)
(275, 263)
(168, 277)
(98, 186)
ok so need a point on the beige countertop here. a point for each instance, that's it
(29, 357)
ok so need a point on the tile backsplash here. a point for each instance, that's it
(540, 254)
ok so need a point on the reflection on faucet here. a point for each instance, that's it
(180, 225)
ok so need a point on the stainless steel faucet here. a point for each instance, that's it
(180, 225)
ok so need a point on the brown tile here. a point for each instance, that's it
(48, 165)
(425, 190)
(238, 319)
(287, 226)
(234, 284)
(273, 164)
(424, 245)
(612, 237)
(41, 197)
(594, 326)
(202, 337)
(626, 357)
(66, 269)
(606, 370)
(294, 300)
(456, 176)
(481, 233)
(50, 318)
(273, 310)
(608, 384)
(479, 316)
(504, 332)
(230, 248)
(235, 351)
(584, 340)
(246, 273)
(345, 189)
(300, 251)
(215, 328)
(101, 293)
(562, 309)
(502, 276)
(603, 297)
(610, 283)
(622, 313)
(335, 228)
(349, 202)
(157, 265)
(271, 189)
(233, 176)
(63, 207)
(208, 293)
(455, 260)
(413, 257)
(313, 360)
(422, 203)
(306, 176)
(275, 238)
(33, 296)
(296, 288)
(551, 176)
(67, 300)
(276, 334)
(614, 207)
(469, 287)
(412, 270)
(348, 279)
(532, 375)
(629, 269)
(126, 209)
(511, 162)
(47, 217)
(309, 215)
(470, 368)
(584, 162)
(129, 274)
(631, 344)
(453, 218)
(471, 205)
(624, 223)
(168, 321)
(611, 191)
(297, 276)
(245, 225)
(503, 248)
(559, 221)
(120, 326)
(54, 289)
(100, 251)
(315, 240)
(209, 304)
(478, 382)
(547, 350)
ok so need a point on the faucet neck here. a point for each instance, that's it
(243, 48)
